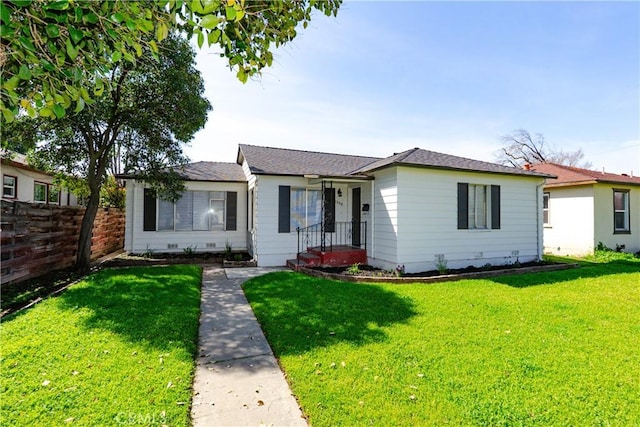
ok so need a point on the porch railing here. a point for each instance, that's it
(326, 236)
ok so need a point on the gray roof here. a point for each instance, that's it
(213, 171)
(425, 158)
(283, 161)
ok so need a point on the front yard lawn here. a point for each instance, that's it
(557, 348)
(117, 348)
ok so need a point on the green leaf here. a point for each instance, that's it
(21, 3)
(209, 22)
(45, 112)
(59, 111)
(72, 51)
(8, 115)
(5, 14)
(116, 56)
(230, 13)
(75, 34)
(98, 89)
(52, 30)
(117, 17)
(90, 18)
(213, 36)
(58, 5)
(200, 39)
(25, 72)
(242, 75)
(27, 43)
(79, 105)
(12, 83)
(209, 6)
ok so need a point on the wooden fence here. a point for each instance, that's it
(38, 238)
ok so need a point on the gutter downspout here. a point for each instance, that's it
(373, 216)
(539, 226)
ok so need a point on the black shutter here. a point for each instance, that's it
(284, 209)
(463, 206)
(149, 211)
(495, 207)
(232, 211)
(330, 210)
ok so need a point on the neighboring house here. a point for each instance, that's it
(416, 209)
(21, 182)
(584, 207)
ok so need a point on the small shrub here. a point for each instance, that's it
(487, 266)
(148, 253)
(354, 269)
(441, 263)
(400, 270)
(190, 251)
(237, 257)
(228, 248)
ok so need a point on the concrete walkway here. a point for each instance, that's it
(238, 381)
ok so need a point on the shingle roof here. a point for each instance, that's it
(284, 161)
(426, 158)
(213, 171)
(569, 175)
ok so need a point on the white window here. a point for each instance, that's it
(9, 185)
(195, 210)
(477, 206)
(54, 195)
(216, 210)
(621, 211)
(165, 215)
(545, 207)
(306, 207)
(40, 192)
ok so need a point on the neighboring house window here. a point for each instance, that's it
(194, 211)
(621, 211)
(545, 207)
(40, 192)
(9, 186)
(54, 195)
(478, 206)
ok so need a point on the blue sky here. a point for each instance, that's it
(450, 77)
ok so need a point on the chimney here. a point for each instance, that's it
(527, 166)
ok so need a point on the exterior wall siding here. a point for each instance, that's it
(421, 220)
(139, 241)
(384, 253)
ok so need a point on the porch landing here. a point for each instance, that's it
(338, 256)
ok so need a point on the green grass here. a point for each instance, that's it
(557, 348)
(116, 348)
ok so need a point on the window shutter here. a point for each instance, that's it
(495, 207)
(330, 210)
(284, 209)
(232, 209)
(463, 206)
(149, 210)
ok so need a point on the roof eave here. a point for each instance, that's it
(527, 175)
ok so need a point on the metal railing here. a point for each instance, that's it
(326, 236)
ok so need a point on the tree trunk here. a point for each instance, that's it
(83, 258)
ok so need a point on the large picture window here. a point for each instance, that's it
(194, 211)
(621, 211)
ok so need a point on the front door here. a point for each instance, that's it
(355, 216)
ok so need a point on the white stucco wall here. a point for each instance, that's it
(139, 241)
(416, 220)
(571, 217)
(603, 218)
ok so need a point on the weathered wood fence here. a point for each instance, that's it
(38, 238)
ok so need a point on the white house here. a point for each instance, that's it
(418, 209)
(21, 182)
(584, 207)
